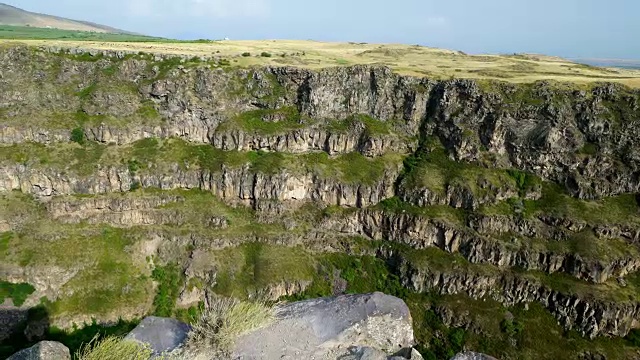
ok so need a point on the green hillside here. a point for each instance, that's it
(34, 33)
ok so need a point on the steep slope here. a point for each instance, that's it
(10, 15)
(136, 184)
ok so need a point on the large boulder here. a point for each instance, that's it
(330, 328)
(44, 350)
(162, 335)
(469, 355)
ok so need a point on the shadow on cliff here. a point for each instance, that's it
(20, 329)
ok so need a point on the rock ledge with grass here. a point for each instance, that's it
(357, 327)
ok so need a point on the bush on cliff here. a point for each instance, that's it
(77, 136)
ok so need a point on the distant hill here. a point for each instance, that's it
(11, 15)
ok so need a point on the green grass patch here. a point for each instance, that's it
(85, 93)
(432, 168)
(198, 206)
(506, 333)
(87, 158)
(170, 281)
(555, 201)
(35, 33)
(371, 126)
(18, 293)
(351, 168)
(621, 209)
(266, 121)
(190, 315)
(362, 274)
(153, 151)
(266, 162)
(110, 70)
(440, 212)
(5, 238)
(108, 279)
(434, 258)
(82, 159)
(357, 168)
(250, 268)
(524, 181)
(148, 111)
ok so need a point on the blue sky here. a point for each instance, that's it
(569, 28)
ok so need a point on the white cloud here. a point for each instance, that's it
(199, 8)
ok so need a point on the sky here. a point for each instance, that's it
(568, 28)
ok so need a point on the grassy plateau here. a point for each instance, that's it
(404, 59)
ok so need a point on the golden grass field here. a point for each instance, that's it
(404, 59)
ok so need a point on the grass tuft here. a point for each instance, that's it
(113, 348)
(223, 321)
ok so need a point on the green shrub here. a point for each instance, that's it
(135, 186)
(265, 54)
(113, 348)
(246, 54)
(223, 322)
(524, 181)
(634, 337)
(133, 166)
(511, 327)
(77, 135)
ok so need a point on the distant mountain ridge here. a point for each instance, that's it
(11, 15)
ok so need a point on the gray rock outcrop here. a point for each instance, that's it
(162, 335)
(44, 350)
(326, 329)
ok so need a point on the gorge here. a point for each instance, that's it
(135, 184)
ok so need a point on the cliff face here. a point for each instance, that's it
(193, 157)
